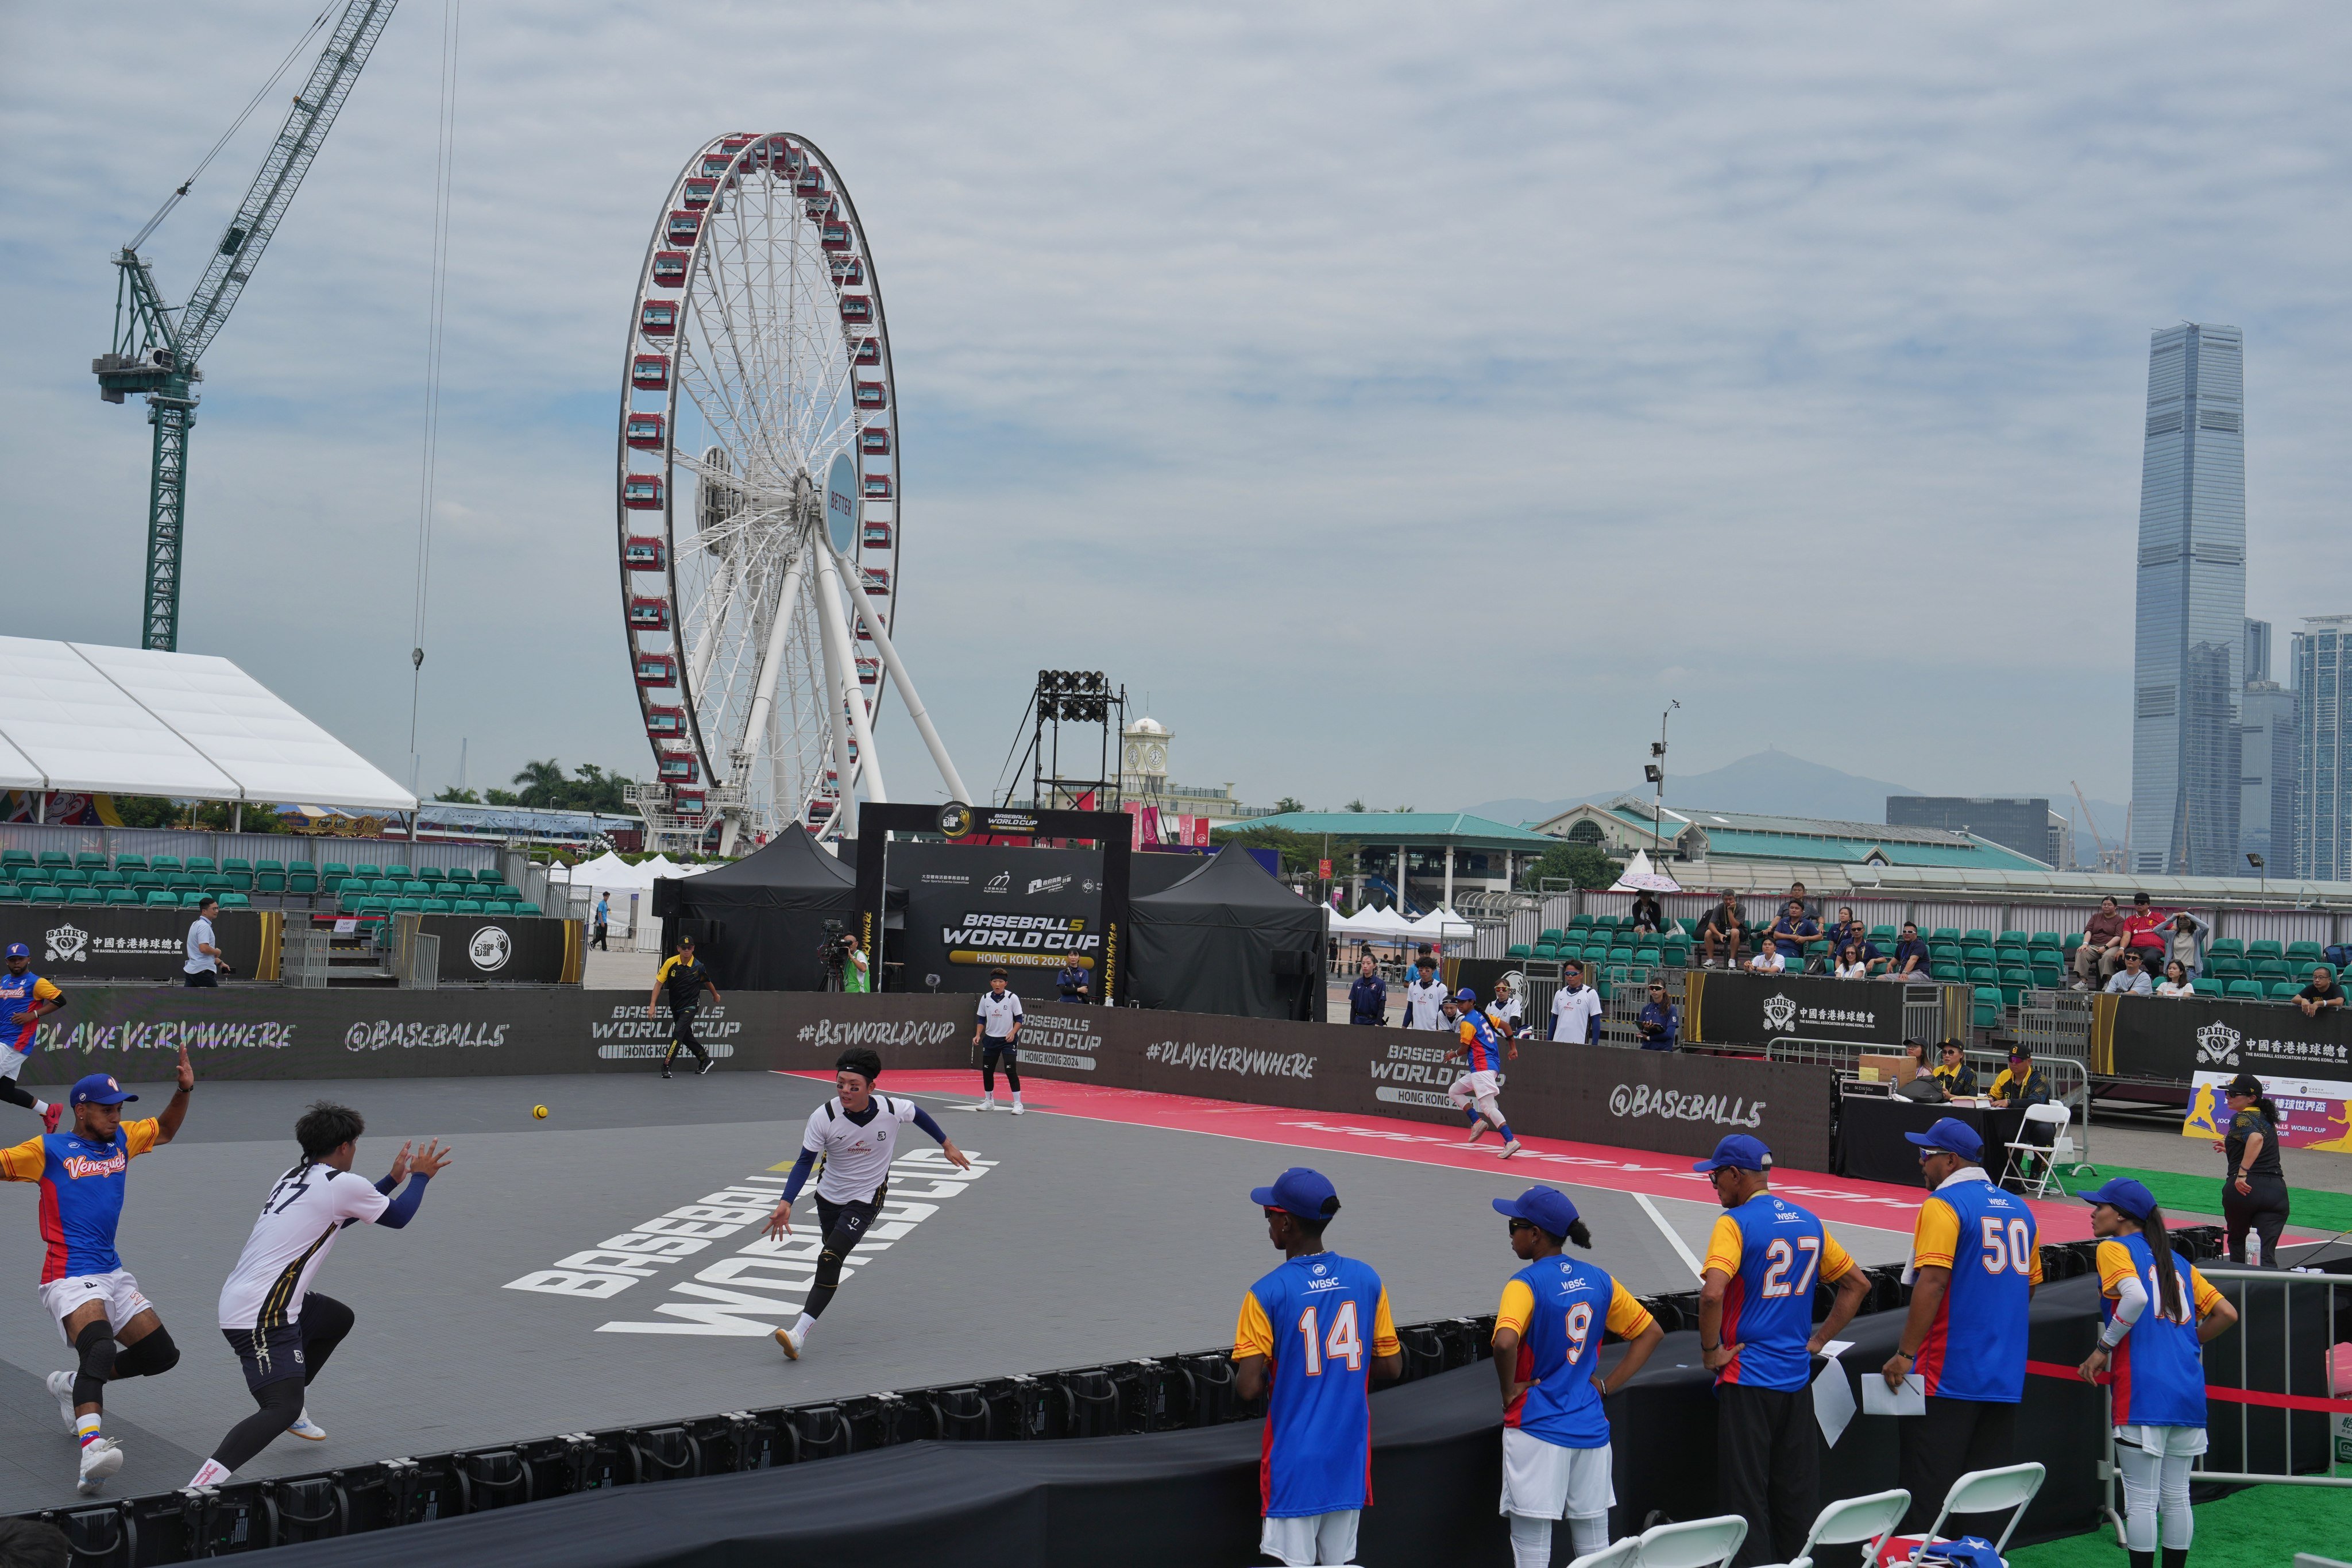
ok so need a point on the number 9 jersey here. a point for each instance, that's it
(1319, 1320)
(1975, 1348)
(1558, 1308)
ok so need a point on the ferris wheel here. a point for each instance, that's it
(758, 492)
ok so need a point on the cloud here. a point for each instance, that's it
(1409, 401)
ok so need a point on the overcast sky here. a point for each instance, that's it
(1410, 400)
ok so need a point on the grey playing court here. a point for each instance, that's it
(1080, 1242)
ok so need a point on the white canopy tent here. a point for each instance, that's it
(1444, 925)
(122, 721)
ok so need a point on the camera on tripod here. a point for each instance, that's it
(833, 951)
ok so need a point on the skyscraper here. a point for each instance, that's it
(2322, 807)
(2191, 628)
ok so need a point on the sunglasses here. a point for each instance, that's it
(1520, 1225)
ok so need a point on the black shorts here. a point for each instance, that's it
(267, 1355)
(843, 1224)
(993, 1050)
(203, 977)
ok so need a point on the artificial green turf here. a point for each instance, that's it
(2260, 1526)
(2308, 1207)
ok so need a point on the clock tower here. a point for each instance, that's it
(1143, 760)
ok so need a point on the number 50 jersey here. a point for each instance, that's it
(1320, 1320)
(1975, 1348)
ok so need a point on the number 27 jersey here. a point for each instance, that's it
(1320, 1320)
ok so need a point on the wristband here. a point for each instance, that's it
(1709, 1349)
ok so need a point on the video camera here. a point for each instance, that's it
(833, 951)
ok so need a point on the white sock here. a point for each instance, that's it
(40, 1108)
(801, 1330)
(1016, 1097)
(211, 1475)
(1530, 1541)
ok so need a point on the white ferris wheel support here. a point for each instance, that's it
(915, 709)
(841, 662)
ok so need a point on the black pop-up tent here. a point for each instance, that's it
(1229, 938)
(759, 923)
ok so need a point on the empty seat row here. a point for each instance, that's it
(373, 905)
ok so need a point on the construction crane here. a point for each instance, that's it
(157, 350)
(2107, 860)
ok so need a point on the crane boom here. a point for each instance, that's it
(156, 354)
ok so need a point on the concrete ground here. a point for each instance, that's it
(1081, 1241)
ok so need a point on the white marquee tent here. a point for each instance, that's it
(123, 721)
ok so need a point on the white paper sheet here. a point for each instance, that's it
(1878, 1399)
(1833, 1399)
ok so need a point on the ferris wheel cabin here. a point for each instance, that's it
(642, 492)
(656, 670)
(869, 672)
(680, 767)
(857, 311)
(810, 186)
(669, 269)
(687, 802)
(657, 317)
(833, 234)
(871, 394)
(683, 227)
(650, 372)
(699, 191)
(644, 552)
(875, 440)
(867, 352)
(878, 535)
(876, 580)
(649, 615)
(665, 721)
(848, 271)
(878, 487)
(643, 431)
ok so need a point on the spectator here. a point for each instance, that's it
(1423, 995)
(1852, 965)
(1915, 1053)
(1575, 1007)
(1797, 897)
(2175, 981)
(1661, 1024)
(1723, 928)
(2132, 979)
(2102, 947)
(2187, 941)
(1647, 916)
(603, 919)
(1911, 960)
(26, 1544)
(2321, 994)
(1768, 960)
(1845, 929)
(2020, 1083)
(204, 965)
(2144, 928)
(1504, 1012)
(1072, 983)
(1795, 931)
(1959, 1079)
(1367, 998)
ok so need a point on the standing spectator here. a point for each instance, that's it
(1367, 998)
(2321, 994)
(1767, 958)
(603, 919)
(1424, 997)
(2186, 940)
(1795, 931)
(204, 965)
(2253, 1193)
(1959, 1079)
(1724, 928)
(1974, 1262)
(2132, 979)
(2175, 981)
(1071, 982)
(2102, 947)
(1648, 917)
(2144, 929)
(1661, 1024)
(1505, 1012)
(1575, 1007)
(1797, 897)
(1755, 1304)
(1912, 962)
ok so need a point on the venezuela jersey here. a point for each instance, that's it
(1320, 1320)
(81, 1194)
(1774, 1252)
(1975, 1348)
(1479, 1039)
(2159, 1374)
(1559, 1307)
(18, 994)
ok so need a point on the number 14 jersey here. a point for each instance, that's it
(1319, 1321)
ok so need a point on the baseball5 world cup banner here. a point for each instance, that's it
(973, 908)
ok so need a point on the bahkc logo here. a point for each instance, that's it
(2218, 1042)
(67, 945)
(1779, 1012)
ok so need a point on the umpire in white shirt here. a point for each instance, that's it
(204, 965)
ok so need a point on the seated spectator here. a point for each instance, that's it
(2102, 947)
(1845, 929)
(2020, 1083)
(1910, 960)
(1852, 965)
(1768, 960)
(1648, 917)
(2321, 994)
(1575, 1007)
(2132, 979)
(2186, 939)
(1722, 931)
(2144, 928)
(1795, 931)
(2177, 981)
(1661, 1023)
(1959, 1079)
(1915, 1053)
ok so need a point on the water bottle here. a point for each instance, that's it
(2253, 1250)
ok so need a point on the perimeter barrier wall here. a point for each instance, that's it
(1654, 1100)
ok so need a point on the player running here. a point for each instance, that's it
(1318, 1330)
(1556, 1455)
(998, 1034)
(850, 1143)
(84, 1285)
(24, 997)
(685, 978)
(281, 1330)
(1482, 1050)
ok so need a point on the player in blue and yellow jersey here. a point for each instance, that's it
(1483, 1050)
(1755, 1334)
(1548, 1331)
(2155, 1324)
(1975, 1261)
(1318, 1331)
(24, 997)
(83, 1174)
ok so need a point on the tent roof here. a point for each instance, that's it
(1226, 881)
(1458, 828)
(122, 721)
(789, 860)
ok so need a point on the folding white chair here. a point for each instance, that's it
(1987, 1492)
(1870, 1518)
(1626, 1554)
(1701, 1543)
(2032, 1165)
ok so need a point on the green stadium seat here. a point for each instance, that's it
(232, 899)
(371, 872)
(268, 863)
(15, 857)
(2229, 945)
(2269, 968)
(2225, 965)
(1518, 950)
(2011, 938)
(1950, 934)
(334, 868)
(199, 864)
(1677, 954)
(1978, 937)
(1983, 975)
(2305, 952)
(44, 893)
(2286, 990)
(162, 899)
(85, 895)
(123, 894)
(164, 863)
(1653, 956)
(69, 876)
(1579, 921)
(412, 889)
(399, 873)
(1552, 934)
(29, 876)
(130, 862)
(90, 861)
(2247, 990)
(2073, 940)
(1988, 1007)
(301, 878)
(269, 881)
(2049, 976)
(408, 906)
(438, 906)
(104, 879)
(1974, 956)
(2014, 984)
(465, 905)
(1882, 934)
(2049, 939)
(526, 907)
(508, 891)
(1545, 953)
(56, 859)
(145, 882)
(2264, 949)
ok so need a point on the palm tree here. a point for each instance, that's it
(543, 783)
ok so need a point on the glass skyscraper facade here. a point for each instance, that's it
(2189, 632)
(2323, 806)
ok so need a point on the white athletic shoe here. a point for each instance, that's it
(100, 1459)
(1478, 1129)
(61, 1386)
(988, 1104)
(1016, 1108)
(792, 1344)
(310, 1431)
(1510, 1149)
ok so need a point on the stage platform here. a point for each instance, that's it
(1104, 1224)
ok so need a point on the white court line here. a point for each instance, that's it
(1681, 1248)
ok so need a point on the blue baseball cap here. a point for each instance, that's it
(98, 1089)
(18, 949)
(1298, 1191)
(2123, 1193)
(1950, 1135)
(1737, 1153)
(1465, 994)
(1547, 1208)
